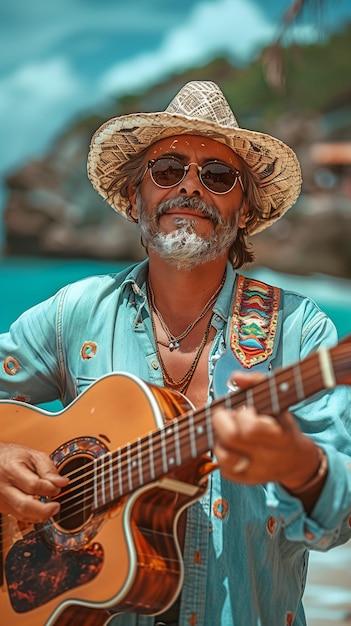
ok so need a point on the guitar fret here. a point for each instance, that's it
(112, 493)
(119, 471)
(95, 483)
(249, 397)
(151, 457)
(177, 450)
(209, 429)
(327, 370)
(164, 451)
(134, 467)
(192, 435)
(300, 393)
(129, 468)
(171, 454)
(274, 395)
(102, 480)
(140, 463)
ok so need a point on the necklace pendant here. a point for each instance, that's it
(173, 345)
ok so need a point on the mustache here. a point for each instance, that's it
(189, 202)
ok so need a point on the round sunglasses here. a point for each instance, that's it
(216, 176)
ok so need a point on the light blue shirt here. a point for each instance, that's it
(246, 549)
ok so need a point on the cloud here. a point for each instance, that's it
(46, 86)
(34, 103)
(64, 57)
(35, 29)
(54, 53)
(237, 28)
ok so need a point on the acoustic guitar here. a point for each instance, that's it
(137, 456)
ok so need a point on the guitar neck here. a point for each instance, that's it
(184, 439)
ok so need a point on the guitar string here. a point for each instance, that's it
(158, 445)
(183, 419)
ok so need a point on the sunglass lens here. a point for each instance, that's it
(167, 172)
(218, 177)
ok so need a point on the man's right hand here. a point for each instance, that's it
(26, 475)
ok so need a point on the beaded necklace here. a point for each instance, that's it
(183, 383)
(174, 341)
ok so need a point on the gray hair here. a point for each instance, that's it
(132, 171)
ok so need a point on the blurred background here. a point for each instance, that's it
(68, 65)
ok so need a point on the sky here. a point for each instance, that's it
(62, 58)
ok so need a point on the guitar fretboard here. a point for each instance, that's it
(186, 438)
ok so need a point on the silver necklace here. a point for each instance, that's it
(173, 340)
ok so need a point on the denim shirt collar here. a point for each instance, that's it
(136, 279)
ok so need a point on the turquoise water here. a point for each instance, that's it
(26, 281)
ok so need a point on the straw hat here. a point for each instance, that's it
(199, 108)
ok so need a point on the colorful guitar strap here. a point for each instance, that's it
(252, 332)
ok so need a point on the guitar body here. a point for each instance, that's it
(122, 557)
(135, 455)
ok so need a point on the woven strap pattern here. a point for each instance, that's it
(254, 321)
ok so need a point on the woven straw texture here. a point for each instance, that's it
(199, 108)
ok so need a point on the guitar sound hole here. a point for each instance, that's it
(76, 499)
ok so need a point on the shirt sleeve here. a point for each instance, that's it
(326, 418)
(31, 368)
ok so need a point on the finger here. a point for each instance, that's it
(27, 508)
(39, 469)
(28, 481)
(48, 472)
(230, 448)
(245, 380)
(241, 465)
(233, 466)
(238, 429)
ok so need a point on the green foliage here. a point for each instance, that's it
(316, 80)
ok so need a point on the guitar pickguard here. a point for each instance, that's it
(35, 574)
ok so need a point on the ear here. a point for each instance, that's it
(132, 199)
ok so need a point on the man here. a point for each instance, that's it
(198, 186)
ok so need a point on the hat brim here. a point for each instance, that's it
(275, 164)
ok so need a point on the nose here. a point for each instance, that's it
(191, 184)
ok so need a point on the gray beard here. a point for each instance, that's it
(183, 248)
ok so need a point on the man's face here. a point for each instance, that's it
(187, 224)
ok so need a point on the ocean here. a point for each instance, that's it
(26, 281)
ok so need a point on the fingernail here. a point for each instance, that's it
(241, 465)
(231, 385)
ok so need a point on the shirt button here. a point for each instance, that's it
(197, 557)
(154, 365)
(192, 619)
(271, 525)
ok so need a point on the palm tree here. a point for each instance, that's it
(273, 58)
